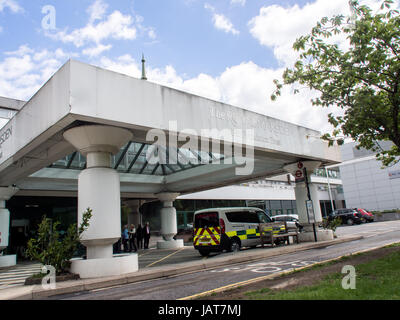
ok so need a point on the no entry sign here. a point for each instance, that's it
(300, 165)
(299, 174)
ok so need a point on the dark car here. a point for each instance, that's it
(348, 216)
(185, 232)
(366, 215)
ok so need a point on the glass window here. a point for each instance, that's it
(236, 216)
(286, 204)
(253, 217)
(184, 205)
(275, 204)
(263, 217)
(203, 204)
(206, 220)
(181, 219)
(242, 217)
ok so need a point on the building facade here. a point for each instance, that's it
(366, 184)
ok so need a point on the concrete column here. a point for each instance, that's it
(99, 189)
(6, 194)
(169, 226)
(301, 193)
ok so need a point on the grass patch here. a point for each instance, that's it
(393, 245)
(375, 280)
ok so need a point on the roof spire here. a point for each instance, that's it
(143, 68)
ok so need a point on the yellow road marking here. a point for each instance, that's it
(153, 263)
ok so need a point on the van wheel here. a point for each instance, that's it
(204, 253)
(350, 222)
(235, 245)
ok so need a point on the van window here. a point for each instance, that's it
(263, 217)
(242, 217)
(206, 220)
(253, 218)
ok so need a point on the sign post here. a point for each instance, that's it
(309, 206)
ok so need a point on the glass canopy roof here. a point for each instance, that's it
(132, 159)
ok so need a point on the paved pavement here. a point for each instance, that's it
(169, 263)
(368, 229)
(183, 286)
(15, 276)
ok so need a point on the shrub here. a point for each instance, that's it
(331, 224)
(50, 249)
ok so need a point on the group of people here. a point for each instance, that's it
(135, 238)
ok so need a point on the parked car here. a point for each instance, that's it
(185, 232)
(348, 216)
(292, 220)
(366, 215)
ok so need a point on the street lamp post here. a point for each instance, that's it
(329, 188)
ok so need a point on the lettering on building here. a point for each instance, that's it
(4, 136)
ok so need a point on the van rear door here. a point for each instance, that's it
(207, 231)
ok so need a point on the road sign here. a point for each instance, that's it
(300, 165)
(299, 175)
(310, 211)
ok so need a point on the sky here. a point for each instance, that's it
(226, 50)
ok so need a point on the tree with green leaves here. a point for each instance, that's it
(50, 249)
(363, 79)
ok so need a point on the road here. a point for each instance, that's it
(375, 234)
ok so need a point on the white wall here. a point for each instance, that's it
(367, 185)
(253, 191)
(243, 193)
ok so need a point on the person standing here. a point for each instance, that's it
(139, 236)
(146, 235)
(132, 237)
(125, 237)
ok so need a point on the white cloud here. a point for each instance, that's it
(152, 34)
(10, 4)
(124, 64)
(278, 27)
(97, 11)
(116, 26)
(239, 2)
(24, 71)
(221, 22)
(96, 51)
(203, 84)
(246, 85)
(22, 50)
(102, 27)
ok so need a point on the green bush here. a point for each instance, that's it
(331, 224)
(380, 213)
(50, 249)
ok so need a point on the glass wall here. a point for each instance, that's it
(186, 208)
(332, 173)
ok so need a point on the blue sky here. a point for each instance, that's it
(186, 37)
(227, 50)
